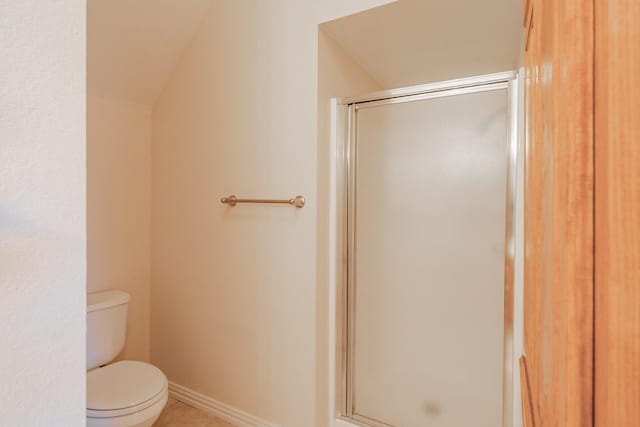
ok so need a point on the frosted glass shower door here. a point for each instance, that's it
(428, 261)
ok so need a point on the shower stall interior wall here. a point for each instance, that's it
(427, 293)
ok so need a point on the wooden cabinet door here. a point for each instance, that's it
(559, 213)
(617, 213)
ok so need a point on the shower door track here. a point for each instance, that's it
(346, 211)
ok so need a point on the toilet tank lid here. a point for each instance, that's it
(102, 300)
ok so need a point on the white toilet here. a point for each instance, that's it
(126, 393)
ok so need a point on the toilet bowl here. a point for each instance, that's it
(125, 394)
(121, 394)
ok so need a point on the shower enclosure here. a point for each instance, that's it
(425, 294)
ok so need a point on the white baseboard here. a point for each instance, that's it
(216, 408)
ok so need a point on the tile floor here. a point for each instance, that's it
(178, 414)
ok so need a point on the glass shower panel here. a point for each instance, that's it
(429, 257)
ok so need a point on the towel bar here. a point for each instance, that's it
(232, 200)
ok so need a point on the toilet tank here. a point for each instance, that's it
(106, 326)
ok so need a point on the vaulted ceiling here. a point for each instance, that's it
(134, 45)
(410, 42)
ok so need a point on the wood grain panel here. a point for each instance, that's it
(528, 22)
(527, 404)
(559, 212)
(617, 131)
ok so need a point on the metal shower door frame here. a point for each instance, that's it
(347, 154)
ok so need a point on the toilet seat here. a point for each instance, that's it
(124, 388)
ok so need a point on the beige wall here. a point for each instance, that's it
(118, 193)
(234, 289)
(338, 76)
(42, 213)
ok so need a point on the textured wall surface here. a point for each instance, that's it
(118, 193)
(42, 213)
